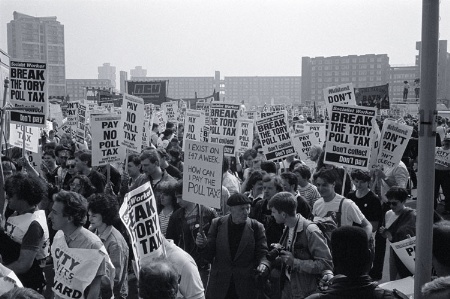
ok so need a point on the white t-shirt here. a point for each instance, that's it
(350, 211)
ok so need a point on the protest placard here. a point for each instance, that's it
(303, 142)
(194, 125)
(108, 106)
(75, 268)
(145, 135)
(250, 114)
(375, 141)
(139, 214)
(223, 125)
(442, 157)
(72, 108)
(343, 94)
(133, 122)
(202, 176)
(171, 110)
(394, 139)
(56, 113)
(318, 129)
(32, 135)
(106, 132)
(244, 136)
(160, 118)
(274, 137)
(80, 131)
(406, 252)
(299, 126)
(28, 89)
(348, 140)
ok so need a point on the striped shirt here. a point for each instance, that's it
(310, 193)
(164, 221)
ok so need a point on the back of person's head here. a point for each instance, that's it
(293, 165)
(30, 189)
(269, 166)
(75, 206)
(170, 125)
(158, 280)
(397, 193)
(284, 202)
(21, 293)
(351, 251)
(225, 165)
(437, 289)
(167, 132)
(441, 246)
(304, 171)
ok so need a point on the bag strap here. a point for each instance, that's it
(339, 221)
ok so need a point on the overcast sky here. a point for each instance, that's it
(235, 37)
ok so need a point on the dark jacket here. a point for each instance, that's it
(251, 252)
(263, 215)
(346, 288)
(179, 231)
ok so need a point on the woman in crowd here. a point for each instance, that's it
(82, 185)
(103, 212)
(24, 243)
(249, 156)
(168, 202)
(399, 224)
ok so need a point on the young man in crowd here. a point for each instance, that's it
(83, 160)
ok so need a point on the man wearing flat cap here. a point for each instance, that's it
(236, 245)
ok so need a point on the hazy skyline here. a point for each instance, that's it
(237, 38)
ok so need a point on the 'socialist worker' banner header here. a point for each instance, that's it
(29, 89)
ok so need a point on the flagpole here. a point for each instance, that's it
(427, 142)
(2, 124)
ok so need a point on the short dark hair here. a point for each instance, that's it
(178, 187)
(75, 206)
(49, 152)
(158, 279)
(276, 179)
(25, 187)
(441, 242)
(134, 159)
(303, 171)
(154, 126)
(290, 178)
(293, 164)
(350, 250)
(269, 166)
(398, 193)
(361, 175)
(284, 202)
(168, 188)
(85, 156)
(255, 176)
(105, 205)
(225, 164)
(327, 175)
(150, 154)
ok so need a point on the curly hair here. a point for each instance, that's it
(75, 206)
(256, 176)
(27, 188)
(87, 188)
(105, 205)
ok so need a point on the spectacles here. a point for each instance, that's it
(71, 166)
(393, 203)
(75, 185)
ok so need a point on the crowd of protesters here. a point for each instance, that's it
(264, 242)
